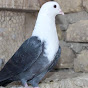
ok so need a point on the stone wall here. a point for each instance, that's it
(17, 20)
(25, 5)
(74, 26)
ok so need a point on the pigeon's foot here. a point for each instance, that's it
(26, 86)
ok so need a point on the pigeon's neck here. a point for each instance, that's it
(45, 30)
(45, 26)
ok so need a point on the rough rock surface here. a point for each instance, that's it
(67, 58)
(11, 32)
(85, 5)
(81, 62)
(59, 75)
(14, 29)
(71, 18)
(62, 21)
(27, 5)
(41, 2)
(78, 47)
(75, 17)
(30, 20)
(62, 79)
(20, 4)
(78, 82)
(70, 6)
(73, 33)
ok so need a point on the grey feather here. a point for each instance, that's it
(34, 81)
(24, 57)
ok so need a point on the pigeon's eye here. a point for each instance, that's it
(55, 6)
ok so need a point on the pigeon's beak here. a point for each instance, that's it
(61, 12)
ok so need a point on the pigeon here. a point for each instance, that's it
(38, 54)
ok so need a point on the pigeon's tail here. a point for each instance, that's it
(5, 82)
(5, 79)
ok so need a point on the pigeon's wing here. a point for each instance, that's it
(24, 57)
(38, 77)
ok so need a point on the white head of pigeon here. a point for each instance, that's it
(51, 8)
(46, 16)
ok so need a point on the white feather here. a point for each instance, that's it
(45, 29)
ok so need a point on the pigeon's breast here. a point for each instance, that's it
(51, 47)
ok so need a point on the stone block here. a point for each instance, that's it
(78, 47)
(41, 2)
(85, 5)
(4, 3)
(74, 81)
(71, 18)
(31, 5)
(26, 4)
(30, 20)
(15, 28)
(62, 21)
(67, 58)
(75, 17)
(9, 3)
(60, 75)
(11, 33)
(81, 62)
(18, 4)
(1, 3)
(77, 32)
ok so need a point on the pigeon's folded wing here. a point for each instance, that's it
(24, 57)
